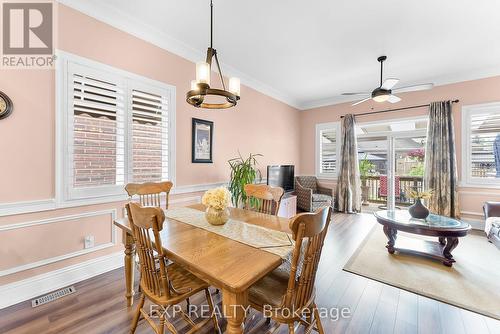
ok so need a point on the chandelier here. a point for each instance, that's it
(201, 94)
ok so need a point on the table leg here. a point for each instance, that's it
(129, 268)
(451, 244)
(391, 234)
(234, 306)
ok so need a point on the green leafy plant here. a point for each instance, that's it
(365, 166)
(243, 171)
(417, 170)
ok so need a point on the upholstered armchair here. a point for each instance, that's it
(492, 223)
(310, 195)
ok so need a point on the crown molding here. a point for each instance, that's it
(103, 12)
(439, 81)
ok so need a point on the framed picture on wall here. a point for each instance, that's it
(202, 141)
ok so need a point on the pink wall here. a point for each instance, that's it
(259, 124)
(469, 92)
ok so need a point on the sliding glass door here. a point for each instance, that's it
(391, 159)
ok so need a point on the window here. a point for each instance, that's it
(481, 144)
(327, 149)
(114, 127)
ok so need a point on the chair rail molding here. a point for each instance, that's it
(112, 212)
(15, 208)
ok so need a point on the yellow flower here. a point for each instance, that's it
(218, 198)
(421, 194)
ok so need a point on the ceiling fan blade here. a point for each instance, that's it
(413, 88)
(393, 99)
(350, 94)
(363, 100)
(389, 83)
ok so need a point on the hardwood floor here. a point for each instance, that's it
(98, 306)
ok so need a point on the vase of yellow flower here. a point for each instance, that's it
(418, 210)
(216, 200)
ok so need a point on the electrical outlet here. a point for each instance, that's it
(89, 241)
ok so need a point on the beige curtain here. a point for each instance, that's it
(440, 161)
(348, 193)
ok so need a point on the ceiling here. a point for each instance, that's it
(307, 53)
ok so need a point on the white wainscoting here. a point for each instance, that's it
(35, 286)
(53, 220)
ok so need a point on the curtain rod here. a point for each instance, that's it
(398, 109)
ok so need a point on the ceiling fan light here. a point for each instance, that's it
(381, 98)
(203, 72)
(234, 86)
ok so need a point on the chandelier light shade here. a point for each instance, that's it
(203, 72)
(201, 94)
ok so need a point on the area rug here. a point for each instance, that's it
(472, 283)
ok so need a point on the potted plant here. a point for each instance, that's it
(365, 168)
(243, 171)
(216, 200)
(418, 210)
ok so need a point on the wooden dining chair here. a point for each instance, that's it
(289, 295)
(150, 193)
(163, 284)
(263, 198)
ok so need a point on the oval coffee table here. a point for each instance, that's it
(448, 230)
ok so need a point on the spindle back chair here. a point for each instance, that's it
(150, 193)
(263, 198)
(295, 300)
(164, 284)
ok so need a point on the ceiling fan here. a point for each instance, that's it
(385, 91)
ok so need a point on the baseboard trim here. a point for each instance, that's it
(35, 286)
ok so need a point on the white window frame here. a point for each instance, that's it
(467, 179)
(66, 195)
(320, 127)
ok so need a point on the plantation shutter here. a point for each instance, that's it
(149, 128)
(484, 143)
(114, 128)
(328, 151)
(96, 133)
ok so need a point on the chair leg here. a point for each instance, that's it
(187, 305)
(137, 314)
(161, 327)
(319, 326)
(169, 325)
(268, 321)
(291, 328)
(212, 311)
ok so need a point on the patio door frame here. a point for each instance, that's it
(391, 137)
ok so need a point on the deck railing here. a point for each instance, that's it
(406, 184)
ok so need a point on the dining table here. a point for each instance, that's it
(229, 265)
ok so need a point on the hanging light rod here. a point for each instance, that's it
(200, 88)
(398, 109)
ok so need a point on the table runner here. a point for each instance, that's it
(272, 241)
